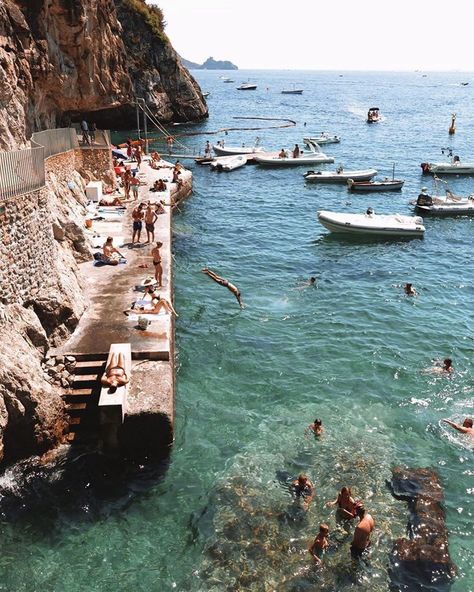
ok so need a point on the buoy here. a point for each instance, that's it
(452, 127)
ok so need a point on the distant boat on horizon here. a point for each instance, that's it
(292, 91)
(247, 86)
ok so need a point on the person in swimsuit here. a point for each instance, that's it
(137, 217)
(316, 428)
(409, 290)
(465, 428)
(361, 540)
(345, 503)
(150, 219)
(441, 367)
(222, 282)
(320, 544)
(158, 304)
(110, 254)
(115, 375)
(157, 263)
(303, 488)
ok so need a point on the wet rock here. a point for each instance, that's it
(422, 561)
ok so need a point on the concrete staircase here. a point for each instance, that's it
(82, 397)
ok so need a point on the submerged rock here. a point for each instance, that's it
(421, 562)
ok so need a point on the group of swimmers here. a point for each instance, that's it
(347, 510)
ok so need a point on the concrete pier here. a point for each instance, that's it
(147, 429)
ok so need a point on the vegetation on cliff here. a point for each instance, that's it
(152, 16)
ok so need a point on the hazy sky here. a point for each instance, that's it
(335, 34)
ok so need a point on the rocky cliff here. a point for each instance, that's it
(60, 59)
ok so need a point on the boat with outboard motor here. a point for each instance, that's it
(446, 205)
(292, 91)
(371, 224)
(339, 176)
(228, 163)
(247, 86)
(222, 150)
(324, 138)
(369, 186)
(296, 157)
(454, 166)
(373, 115)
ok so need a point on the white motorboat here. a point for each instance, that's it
(371, 224)
(373, 115)
(247, 86)
(324, 138)
(292, 91)
(339, 176)
(447, 205)
(222, 150)
(369, 186)
(227, 80)
(453, 167)
(228, 163)
(206, 94)
(286, 157)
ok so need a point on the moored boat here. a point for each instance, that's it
(228, 163)
(247, 86)
(447, 205)
(368, 186)
(454, 167)
(313, 155)
(371, 224)
(373, 115)
(227, 80)
(222, 150)
(292, 91)
(339, 176)
(324, 138)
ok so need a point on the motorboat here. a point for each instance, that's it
(447, 205)
(324, 138)
(286, 157)
(371, 224)
(228, 163)
(247, 86)
(339, 176)
(292, 91)
(227, 80)
(206, 94)
(222, 150)
(203, 160)
(368, 186)
(454, 166)
(373, 115)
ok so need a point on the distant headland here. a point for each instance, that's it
(210, 64)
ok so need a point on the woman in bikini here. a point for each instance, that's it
(158, 304)
(157, 263)
(115, 375)
(345, 503)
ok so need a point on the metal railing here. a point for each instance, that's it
(56, 141)
(94, 139)
(22, 171)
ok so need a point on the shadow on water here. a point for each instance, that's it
(79, 486)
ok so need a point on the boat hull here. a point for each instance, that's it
(358, 224)
(234, 151)
(321, 141)
(247, 87)
(448, 169)
(369, 187)
(445, 211)
(291, 92)
(287, 162)
(325, 177)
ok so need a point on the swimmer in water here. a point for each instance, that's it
(307, 283)
(316, 428)
(445, 367)
(320, 544)
(465, 428)
(346, 505)
(409, 290)
(303, 488)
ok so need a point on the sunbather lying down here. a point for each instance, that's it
(157, 305)
(115, 375)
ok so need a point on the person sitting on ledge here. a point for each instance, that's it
(158, 185)
(115, 375)
(110, 254)
(158, 303)
(465, 428)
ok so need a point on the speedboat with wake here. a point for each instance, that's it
(371, 224)
(228, 163)
(373, 115)
(324, 138)
(313, 155)
(447, 205)
(454, 166)
(339, 176)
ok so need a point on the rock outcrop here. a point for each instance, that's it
(60, 59)
(421, 562)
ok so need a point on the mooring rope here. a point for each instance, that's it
(287, 123)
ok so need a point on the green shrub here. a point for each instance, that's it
(152, 15)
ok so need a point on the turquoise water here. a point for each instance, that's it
(350, 350)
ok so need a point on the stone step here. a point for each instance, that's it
(88, 356)
(85, 378)
(80, 392)
(73, 407)
(89, 367)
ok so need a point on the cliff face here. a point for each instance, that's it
(60, 59)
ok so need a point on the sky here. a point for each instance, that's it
(324, 35)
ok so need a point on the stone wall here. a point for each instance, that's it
(95, 164)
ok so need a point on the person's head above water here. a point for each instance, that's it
(302, 479)
(346, 491)
(318, 422)
(467, 423)
(324, 529)
(448, 363)
(360, 510)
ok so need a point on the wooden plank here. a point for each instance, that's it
(117, 398)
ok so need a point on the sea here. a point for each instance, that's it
(351, 350)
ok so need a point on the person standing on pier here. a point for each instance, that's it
(157, 263)
(92, 130)
(85, 132)
(137, 217)
(135, 184)
(150, 219)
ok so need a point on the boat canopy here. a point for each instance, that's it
(374, 109)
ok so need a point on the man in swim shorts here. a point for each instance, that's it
(361, 540)
(137, 217)
(150, 219)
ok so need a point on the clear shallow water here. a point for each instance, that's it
(349, 350)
